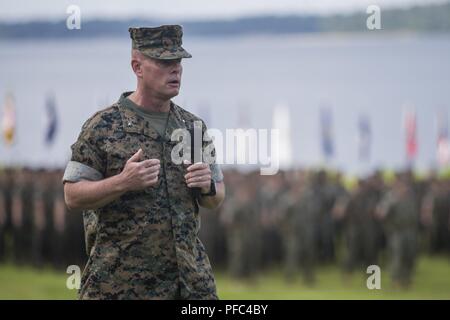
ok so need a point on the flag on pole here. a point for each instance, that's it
(365, 137)
(9, 120)
(411, 135)
(326, 123)
(443, 147)
(52, 120)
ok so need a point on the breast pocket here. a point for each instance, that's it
(119, 150)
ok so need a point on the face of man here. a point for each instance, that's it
(160, 78)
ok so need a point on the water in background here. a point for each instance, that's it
(236, 82)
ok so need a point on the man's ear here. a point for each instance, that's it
(136, 66)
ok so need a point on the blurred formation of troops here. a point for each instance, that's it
(296, 220)
(35, 225)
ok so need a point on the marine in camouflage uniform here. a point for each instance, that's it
(267, 203)
(359, 229)
(22, 216)
(299, 228)
(59, 224)
(144, 244)
(436, 216)
(240, 217)
(3, 216)
(6, 187)
(327, 193)
(39, 217)
(400, 214)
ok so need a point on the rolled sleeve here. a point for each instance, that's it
(76, 171)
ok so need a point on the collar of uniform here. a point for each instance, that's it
(174, 121)
(133, 122)
(177, 118)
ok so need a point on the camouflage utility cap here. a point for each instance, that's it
(162, 42)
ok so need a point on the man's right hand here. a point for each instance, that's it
(138, 174)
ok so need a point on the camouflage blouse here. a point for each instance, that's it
(145, 244)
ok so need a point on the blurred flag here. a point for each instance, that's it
(52, 120)
(9, 119)
(365, 137)
(443, 148)
(410, 126)
(326, 123)
(282, 122)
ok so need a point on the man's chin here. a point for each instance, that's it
(172, 93)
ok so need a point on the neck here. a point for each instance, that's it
(149, 102)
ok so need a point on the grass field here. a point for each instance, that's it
(431, 281)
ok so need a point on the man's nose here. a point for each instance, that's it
(177, 67)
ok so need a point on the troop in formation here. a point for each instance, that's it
(35, 225)
(303, 219)
(298, 220)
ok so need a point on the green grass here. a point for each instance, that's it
(30, 283)
(431, 281)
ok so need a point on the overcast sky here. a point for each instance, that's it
(24, 10)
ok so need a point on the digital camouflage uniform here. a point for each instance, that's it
(326, 195)
(440, 233)
(401, 223)
(22, 217)
(39, 220)
(299, 227)
(3, 216)
(145, 244)
(360, 231)
(243, 233)
(6, 186)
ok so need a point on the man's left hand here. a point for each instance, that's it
(199, 176)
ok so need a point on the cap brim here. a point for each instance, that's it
(164, 54)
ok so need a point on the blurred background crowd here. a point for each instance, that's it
(296, 220)
(299, 220)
